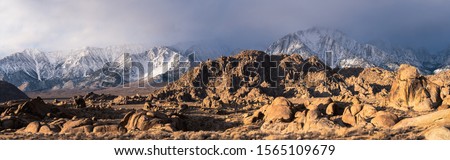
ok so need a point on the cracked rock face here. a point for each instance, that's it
(411, 90)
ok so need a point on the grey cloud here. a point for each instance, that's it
(55, 25)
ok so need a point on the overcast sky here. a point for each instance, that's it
(58, 25)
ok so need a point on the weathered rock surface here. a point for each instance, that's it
(249, 78)
(438, 118)
(112, 128)
(257, 115)
(331, 109)
(83, 125)
(437, 133)
(33, 127)
(279, 110)
(143, 121)
(45, 129)
(384, 119)
(358, 113)
(36, 107)
(148, 106)
(410, 90)
(120, 100)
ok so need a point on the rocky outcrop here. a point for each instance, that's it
(237, 97)
(33, 127)
(91, 96)
(146, 120)
(10, 92)
(211, 102)
(84, 125)
(252, 78)
(281, 116)
(111, 128)
(28, 114)
(437, 133)
(358, 113)
(411, 90)
(122, 100)
(36, 107)
(280, 110)
(438, 118)
(384, 119)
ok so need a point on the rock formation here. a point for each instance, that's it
(146, 120)
(411, 90)
(251, 77)
(10, 92)
(252, 95)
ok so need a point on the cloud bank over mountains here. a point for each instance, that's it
(253, 24)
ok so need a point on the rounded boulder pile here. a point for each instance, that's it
(279, 110)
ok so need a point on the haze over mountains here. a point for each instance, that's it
(34, 70)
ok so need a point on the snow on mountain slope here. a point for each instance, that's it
(84, 62)
(32, 69)
(339, 50)
(36, 70)
(161, 59)
(443, 69)
(165, 59)
(32, 62)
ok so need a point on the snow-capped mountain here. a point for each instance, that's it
(156, 61)
(25, 68)
(32, 69)
(83, 62)
(339, 50)
(32, 62)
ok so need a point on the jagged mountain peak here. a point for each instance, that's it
(340, 50)
(319, 41)
(30, 53)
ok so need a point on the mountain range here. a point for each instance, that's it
(340, 50)
(35, 70)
